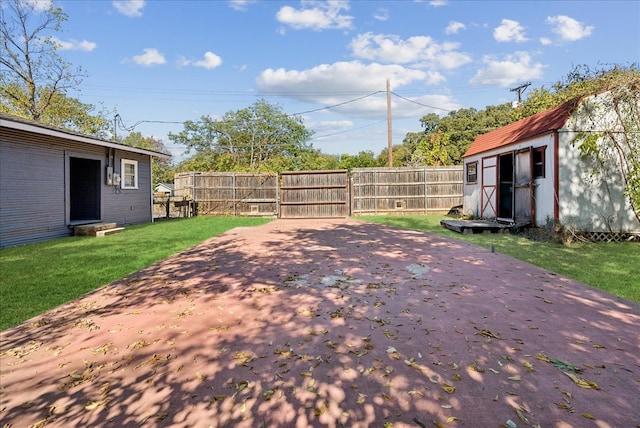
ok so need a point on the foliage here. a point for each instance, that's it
(259, 137)
(161, 169)
(364, 159)
(443, 141)
(70, 267)
(579, 82)
(432, 151)
(35, 79)
(612, 267)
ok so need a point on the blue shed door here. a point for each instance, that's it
(84, 190)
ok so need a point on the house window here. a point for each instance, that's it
(472, 172)
(538, 162)
(129, 174)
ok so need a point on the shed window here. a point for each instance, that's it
(472, 172)
(538, 162)
(129, 174)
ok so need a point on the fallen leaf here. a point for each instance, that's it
(543, 357)
(582, 383)
(451, 419)
(588, 416)
(91, 405)
(449, 389)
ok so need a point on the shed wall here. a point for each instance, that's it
(591, 202)
(544, 190)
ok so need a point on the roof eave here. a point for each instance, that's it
(59, 133)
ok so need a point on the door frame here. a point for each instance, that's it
(98, 187)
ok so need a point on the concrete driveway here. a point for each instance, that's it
(335, 323)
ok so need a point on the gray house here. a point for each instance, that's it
(52, 180)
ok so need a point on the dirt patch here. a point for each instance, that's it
(329, 323)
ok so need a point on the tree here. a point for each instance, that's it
(35, 79)
(443, 141)
(257, 138)
(364, 159)
(161, 170)
(432, 150)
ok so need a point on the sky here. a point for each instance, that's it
(158, 63)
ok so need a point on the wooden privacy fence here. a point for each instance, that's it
(306, 194)
(432, 190)
(229, 193)
(313, 194)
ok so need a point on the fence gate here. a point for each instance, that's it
(312, 194)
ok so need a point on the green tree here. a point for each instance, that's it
(257, 138)
(35, 79)
(161, 169)
(364, 159)
(432, 150)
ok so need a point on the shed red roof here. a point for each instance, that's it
(538, 124)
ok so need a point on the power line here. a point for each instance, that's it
(420, 104)
(336, 105)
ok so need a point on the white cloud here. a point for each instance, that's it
(512, 69)
(40, 5)
(437, 3)
(240, 5)
(150, 57)
(509, 31)
(131, 8)
(568, 29)
(381, 14)
(209, 62)
(334, 83)
(316, 15)
(329, 125)
(341, 82)
(454, 27)
(416, 49)
(74, 45)
(545, 41)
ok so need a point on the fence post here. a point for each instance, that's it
(426, 197)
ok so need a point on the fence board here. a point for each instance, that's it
(312, 194)
(305, 194)
(431, 190)
(230, 193)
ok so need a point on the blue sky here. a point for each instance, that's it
(157, 62)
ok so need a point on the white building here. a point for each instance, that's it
(532, 172)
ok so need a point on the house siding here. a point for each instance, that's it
(34, 187)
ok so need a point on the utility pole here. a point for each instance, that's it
(389, 135)
(520, 89)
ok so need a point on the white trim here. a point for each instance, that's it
(123, 183)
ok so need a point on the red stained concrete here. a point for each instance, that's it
(334, 323)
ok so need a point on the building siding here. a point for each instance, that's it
(34, 187)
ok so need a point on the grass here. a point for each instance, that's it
(612, 267)
(38, 277)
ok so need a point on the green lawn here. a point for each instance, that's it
(41, 276)
(613, 267)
